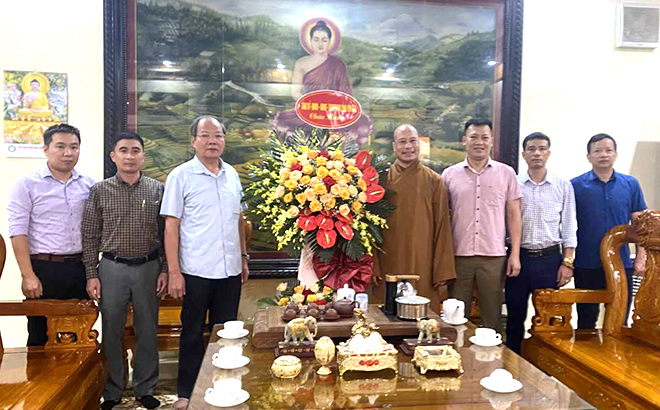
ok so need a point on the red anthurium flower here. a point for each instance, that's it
(307, 223)
(362, 160)
(326, 238)
(370, 175)
(344, 230)
(296, 167)
(329, 181)
(375, 193)
(325, 154)
(347, 219)
(324, 222)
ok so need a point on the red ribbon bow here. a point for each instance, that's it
(343, 270)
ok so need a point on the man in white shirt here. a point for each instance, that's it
(205, 245)
(549, 235)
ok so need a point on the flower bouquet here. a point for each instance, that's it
(321, 199)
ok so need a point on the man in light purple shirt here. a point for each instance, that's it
(45, 216)
(484, 197)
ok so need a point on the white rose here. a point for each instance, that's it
(279, 191)
(281, 287)
(352, 190)
(362, 197)
(293, 212)
(296, 175)
(314, 288)
(339, 165)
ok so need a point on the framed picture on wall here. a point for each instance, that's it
(637, 25)
(433, 64)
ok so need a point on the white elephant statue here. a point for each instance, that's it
(297, 330)
(428, 328)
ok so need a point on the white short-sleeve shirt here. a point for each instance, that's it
(208, 207)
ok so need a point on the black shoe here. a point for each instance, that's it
(109, 404)
(149, 401)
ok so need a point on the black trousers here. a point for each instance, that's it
(595, 279)
(220, 298)
(535, 273)
(59, 280)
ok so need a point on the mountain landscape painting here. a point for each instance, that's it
(423, 63)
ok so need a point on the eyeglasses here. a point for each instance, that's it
(207, 137)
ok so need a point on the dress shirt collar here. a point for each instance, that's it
(199, 168)
(549, 178)
(466, 164)
(122, 182)
(46, 172)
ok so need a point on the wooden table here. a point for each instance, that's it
(269, 326)
(384, 390)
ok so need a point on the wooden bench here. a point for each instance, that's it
(68, 372)
(616, 367)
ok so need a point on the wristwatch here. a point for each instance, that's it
(246, 256)
(568, 262)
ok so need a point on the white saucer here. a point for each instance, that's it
(474, 340)
(223, 333)
(238, 362)
(492, 385)
(241, 397)
(458, 323)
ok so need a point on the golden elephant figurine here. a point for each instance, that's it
(428, 328)
(300, 329)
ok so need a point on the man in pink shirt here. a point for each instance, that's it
(483, 195)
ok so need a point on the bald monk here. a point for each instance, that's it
(419, 239)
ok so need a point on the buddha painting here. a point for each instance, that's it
(320, 70)
(35, 105)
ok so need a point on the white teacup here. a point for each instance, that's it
(225, 390)
(228, 354)
(501, 377)
(487, 335)
(234, 326)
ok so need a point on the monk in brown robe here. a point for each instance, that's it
(419, 239)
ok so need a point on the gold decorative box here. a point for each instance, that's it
(366, 350)
(437, 358)
(365, 387)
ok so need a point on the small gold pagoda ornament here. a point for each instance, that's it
(440, 358)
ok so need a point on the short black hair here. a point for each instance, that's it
(127, 135)
(535, 136)
(196, 121)
(35, 81)
(64, 128)
(477, 123)
(599, 137)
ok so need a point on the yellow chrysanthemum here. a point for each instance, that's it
(335, 174)
(283, 302)
(356, 206)
(305, 180)
(288, 197)
(321, 161)
(353, 170)
(307, 169)
(301, 198)
(344, 194)
(311, 298)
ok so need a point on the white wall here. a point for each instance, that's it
(576, 83)
(60, 36)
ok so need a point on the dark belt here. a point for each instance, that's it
(56, 258)
(537, 253)
(131, 261)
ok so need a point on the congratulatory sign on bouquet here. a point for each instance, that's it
(321, 199)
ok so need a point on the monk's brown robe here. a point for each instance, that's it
(419, 239)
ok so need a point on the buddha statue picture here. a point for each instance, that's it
(320, 70)
(35, 105)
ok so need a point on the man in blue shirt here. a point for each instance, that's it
(604, 199)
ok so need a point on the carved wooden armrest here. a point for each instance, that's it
(553, 307)
(69, 321)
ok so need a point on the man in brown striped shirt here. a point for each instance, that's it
(121, 220)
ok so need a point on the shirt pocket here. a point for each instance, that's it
(493, 197)
(149, 212)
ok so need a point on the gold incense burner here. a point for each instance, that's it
(440, 358)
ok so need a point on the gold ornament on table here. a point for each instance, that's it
(324, 351)
(437, 358)
(366, 350)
